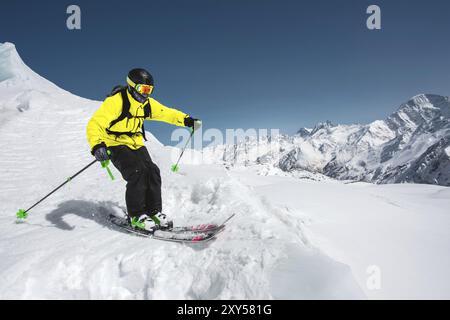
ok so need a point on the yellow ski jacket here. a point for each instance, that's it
(111, 109)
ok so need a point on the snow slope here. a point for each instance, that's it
(402, 229)
(290, 238)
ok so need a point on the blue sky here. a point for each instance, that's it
(243, 63)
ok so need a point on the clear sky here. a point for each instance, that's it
(243, 63)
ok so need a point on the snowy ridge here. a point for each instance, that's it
(15, 73)
(284, 242)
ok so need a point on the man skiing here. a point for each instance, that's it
(116, 132)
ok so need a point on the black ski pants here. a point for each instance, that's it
(143, 194)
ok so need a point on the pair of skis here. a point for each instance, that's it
(184, 234)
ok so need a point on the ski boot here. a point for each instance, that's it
(144, 222)
(151, 223)
(161, 220)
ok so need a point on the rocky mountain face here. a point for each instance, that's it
(411, 145)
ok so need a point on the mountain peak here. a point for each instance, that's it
(11, 64)
(427, 98)
(322, 125)
(303, 132)
(420, 109)
(13, 71)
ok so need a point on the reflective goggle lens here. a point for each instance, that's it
(144, 89)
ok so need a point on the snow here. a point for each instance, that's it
(402, 229)
(300, 237)
(447, 151)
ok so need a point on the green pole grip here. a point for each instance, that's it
(105, 164)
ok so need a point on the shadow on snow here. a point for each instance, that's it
(96, 211)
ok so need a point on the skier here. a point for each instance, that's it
(116, 132)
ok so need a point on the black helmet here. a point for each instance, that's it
(141, 76)
(138, 77)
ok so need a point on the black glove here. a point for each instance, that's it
(99, 152)
(192, 123)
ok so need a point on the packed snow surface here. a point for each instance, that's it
(299, 237)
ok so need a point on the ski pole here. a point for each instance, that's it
(105, 164)
(175, 167)
(23, 214)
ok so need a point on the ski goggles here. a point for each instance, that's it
(144, 89)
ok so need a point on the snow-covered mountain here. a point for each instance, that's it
(284, 242)
(411, 145)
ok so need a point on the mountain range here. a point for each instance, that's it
(411, 145)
